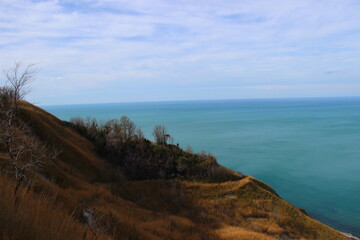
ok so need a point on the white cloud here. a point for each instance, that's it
(92, 44)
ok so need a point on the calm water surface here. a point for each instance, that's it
(308, 150)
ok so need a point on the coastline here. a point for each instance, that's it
(239, 139)
(350, 236)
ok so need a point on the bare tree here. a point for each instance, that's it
(128, 128)
(189, 149)
(18, 77)
(25, 151)
(160, 134)
(139, 134)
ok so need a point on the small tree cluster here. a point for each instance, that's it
(119, 142)
(122, 130)
(161, 135)
(111, 133)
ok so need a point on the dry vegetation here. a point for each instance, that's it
(30, 215)
(125, 148)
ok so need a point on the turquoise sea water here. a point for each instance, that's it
(308, 150)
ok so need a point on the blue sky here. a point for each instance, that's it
(94, 51)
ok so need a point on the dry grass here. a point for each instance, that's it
(34, 216)
(77, 157)
(236, 233)
(247, 204)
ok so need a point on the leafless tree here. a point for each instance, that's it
(128, 128)
(77, 121)
(139, 134)
(189, 149)
(25, 151)
(18, 77)
(118, 131)
(160, 134)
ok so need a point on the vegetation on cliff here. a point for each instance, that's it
(124, 146)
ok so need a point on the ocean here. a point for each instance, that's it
(308, 149)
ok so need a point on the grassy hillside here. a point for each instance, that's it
(82, 196)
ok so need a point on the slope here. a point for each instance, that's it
(61, 197)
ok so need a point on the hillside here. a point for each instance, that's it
(83, 196)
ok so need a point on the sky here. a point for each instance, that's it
(98, 51)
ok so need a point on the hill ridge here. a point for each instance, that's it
(80, 181)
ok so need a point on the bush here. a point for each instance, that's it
(124, 146)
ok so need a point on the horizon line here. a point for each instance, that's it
(200, 100)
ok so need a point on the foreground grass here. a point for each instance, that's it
(27, 215)
(157, 209)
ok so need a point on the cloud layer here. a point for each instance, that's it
(114, 50)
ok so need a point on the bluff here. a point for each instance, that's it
(81, 195)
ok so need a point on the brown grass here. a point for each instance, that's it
(34, 216)
(236, 233)
(77, 157)
(255, 208)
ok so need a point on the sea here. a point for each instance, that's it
(307, 149)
